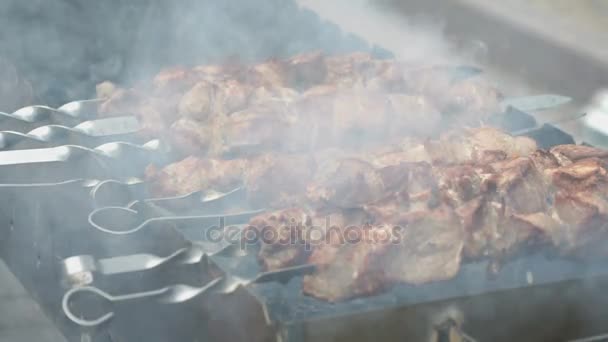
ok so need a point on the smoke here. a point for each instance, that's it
(65, 47)
(414, 38)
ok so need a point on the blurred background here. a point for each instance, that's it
(52, 52)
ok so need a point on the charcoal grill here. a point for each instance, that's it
(45, 215)
(52, 216)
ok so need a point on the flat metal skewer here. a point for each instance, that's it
(178, 293)
(129, 222)
(80, 269)
(87, 134)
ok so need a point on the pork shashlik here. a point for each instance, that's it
(305, 102)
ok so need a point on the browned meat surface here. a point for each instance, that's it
(118, 101)
(174, 81)
(306, 70)
(459, 184)
(265, 127)
(574, 153)
(191, 139)
(580, 206)
(412, 116)
(481, 145)
(270, 74)
(338, 101)
(444, 214)
(354, 270)
(195, 174)
(346, 183)
(278, 181)
(349, 70)
(198, 102)
(429, 249)
(281, 237)
(471, 96)
(520, 185)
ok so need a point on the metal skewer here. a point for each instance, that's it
(30, 117)
(535, 103)
(80, 269)
(170, 295)
(87, 134)
(123, 221)
(178, 293)
(71, 161)
(117, 193)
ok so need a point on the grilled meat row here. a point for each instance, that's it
(306, 102)
(437, 216)
(331, 177)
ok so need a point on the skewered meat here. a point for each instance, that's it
(412, 116)
(348, 183)
(571, 153)
(265, 127)
(354, 270)
(471, 96)
(270, 74)
(580, 206)
(118, 101)
(429, 249)
(305, 70)
(459, 184)
(189, 138)
(481, 145)
(278, 180)
(195, 174)
(348, 70)
(198, 102)
(232, 96)
(174, 80)
(349, 100)
(281, 235)
(446, 213)
(288, 236)
(206, 99)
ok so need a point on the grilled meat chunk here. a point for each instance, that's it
(572, 153)
(189, 138)
(174, 80)
(281, 236)
(306, 70)
(580, 206)
(459, 184)
(429, 249)
(347, 101)
(481, 145)
(198, 102)
(470, 100)
(270, 74)
(349, 70)
(412, 116)
(257, 129)
(445, 214)
(195, 174)
(347, 183)
(520, 185)
(278, 181)
(354, 270)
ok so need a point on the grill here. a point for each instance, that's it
(74, 214)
